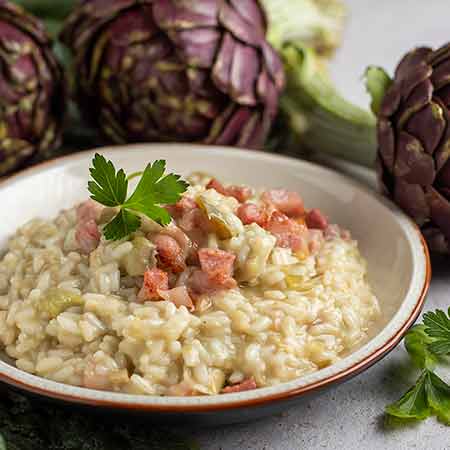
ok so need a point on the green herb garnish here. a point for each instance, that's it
(110, 188)
(438, 327)
(426, 344)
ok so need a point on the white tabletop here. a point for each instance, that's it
(350, 416)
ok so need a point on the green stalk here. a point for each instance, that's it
(316, 23)
(328, 122)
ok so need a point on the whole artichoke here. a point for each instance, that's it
(32, 93)
(414, 141)
(175, 70)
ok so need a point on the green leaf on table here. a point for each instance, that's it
(438, 397)
(417, 343)
(109, 187)
(437, 326)
(413, 404)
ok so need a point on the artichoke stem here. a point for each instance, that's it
(331, 124)
(377, 83)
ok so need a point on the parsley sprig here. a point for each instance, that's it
(110, 188)
(427, 344)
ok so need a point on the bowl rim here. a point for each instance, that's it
(108, 399)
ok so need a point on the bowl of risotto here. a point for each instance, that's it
(264, 279)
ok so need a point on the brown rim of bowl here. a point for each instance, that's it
(353, 370)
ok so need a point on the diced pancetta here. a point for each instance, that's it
(194, 220)
(217, 186)
(315, 219)
(240, 193)
(287, 202)
(289, 233)
(184, 205)
(216, 272)
(155, 280)
(87, 236)
(217, 264)
(246, 385)
(200, 283)
(89, 210)
(170, 254)
(251, 213)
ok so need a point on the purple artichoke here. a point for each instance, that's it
(31, 89)
(175, 70)
(414, 142)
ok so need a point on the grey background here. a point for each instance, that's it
(349, 416)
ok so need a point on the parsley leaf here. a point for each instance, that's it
(438, 327)
(417, 344)
(122, 225)
(110, 187)
(426, 344)
(438, 396)
(413, 404)
(152, 189)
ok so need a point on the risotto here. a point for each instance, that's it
(242, 290)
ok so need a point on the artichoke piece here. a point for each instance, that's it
(142, 256)
(299, 283)
(58, 300)
(33, 90)
(413, 162)
(219, 210)
(257, 245)
(151, 70)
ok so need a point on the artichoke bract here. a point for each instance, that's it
(414, 140)
(175, 70)
(32, 89)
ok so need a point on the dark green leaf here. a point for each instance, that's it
(122, 225)
(152, 173)
(416, 343)
(413, 404)
(110, 188)
(438, 395)
(154, 212)
(438, 327)
(169, 189)
(153, 190)
(165, 190)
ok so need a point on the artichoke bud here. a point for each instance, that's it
(33, 89)
(176, 71)
(414, 142)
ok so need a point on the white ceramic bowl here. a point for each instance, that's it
(398, 261)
